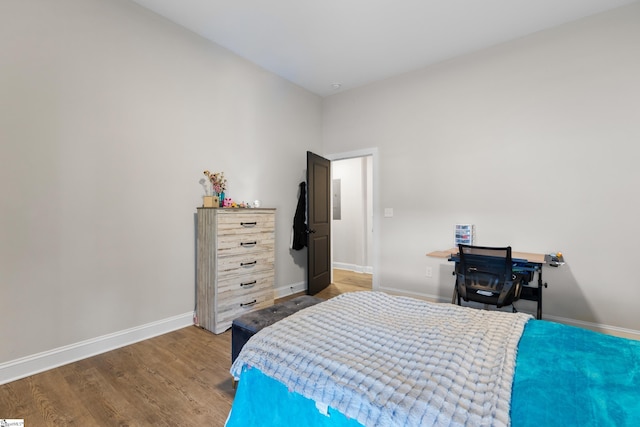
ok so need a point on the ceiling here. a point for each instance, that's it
(325, 43)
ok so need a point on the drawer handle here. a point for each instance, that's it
(249, 284)
(242, 304)
(249, 224)
(249, 243)
(248, 264)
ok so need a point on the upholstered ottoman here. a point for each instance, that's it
(244, 327)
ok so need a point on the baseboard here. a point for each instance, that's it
(40, 362)
(284, 291)
(605, 329)
(353, 267)
(418, 295)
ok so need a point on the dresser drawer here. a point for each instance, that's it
(244, 264)
(243, 297)
(232, 308)
(247, 283)
(245, 223)
(234, 244)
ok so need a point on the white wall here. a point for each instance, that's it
(352, 234)
(536, 142)
(108, 116)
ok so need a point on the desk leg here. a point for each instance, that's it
(540, 285)
(455, 299)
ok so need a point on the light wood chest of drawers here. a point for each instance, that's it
(235, 264)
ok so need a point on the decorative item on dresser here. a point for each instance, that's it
(235, 264)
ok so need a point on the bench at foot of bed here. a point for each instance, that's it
(244, 327)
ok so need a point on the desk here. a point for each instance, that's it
(524, 263)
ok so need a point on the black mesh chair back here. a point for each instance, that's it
(484, 274)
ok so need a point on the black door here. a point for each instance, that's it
(319, 223)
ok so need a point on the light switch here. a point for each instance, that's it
(388, 212)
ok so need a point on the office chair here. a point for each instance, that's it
(484, 275)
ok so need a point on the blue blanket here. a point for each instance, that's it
(568, 376)
(564, 376)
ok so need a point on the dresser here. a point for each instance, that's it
(234, 264)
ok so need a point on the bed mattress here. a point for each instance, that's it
(560, 375)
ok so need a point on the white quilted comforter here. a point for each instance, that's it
(394, 361)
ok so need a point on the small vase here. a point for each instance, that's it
(221, 198)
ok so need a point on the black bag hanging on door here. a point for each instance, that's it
(299, 238)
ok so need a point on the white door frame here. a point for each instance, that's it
(373, 152)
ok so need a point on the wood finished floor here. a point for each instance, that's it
(177, 379)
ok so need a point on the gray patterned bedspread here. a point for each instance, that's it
(394, 361)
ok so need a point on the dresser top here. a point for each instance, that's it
(238, 209)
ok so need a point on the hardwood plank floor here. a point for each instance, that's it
(177, 379)
(346, 281)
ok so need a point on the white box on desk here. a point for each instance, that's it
(464, 234)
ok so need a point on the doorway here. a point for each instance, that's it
(354, 230)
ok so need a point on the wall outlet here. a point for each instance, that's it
(429, 272)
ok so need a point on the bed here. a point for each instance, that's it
(372, 359)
